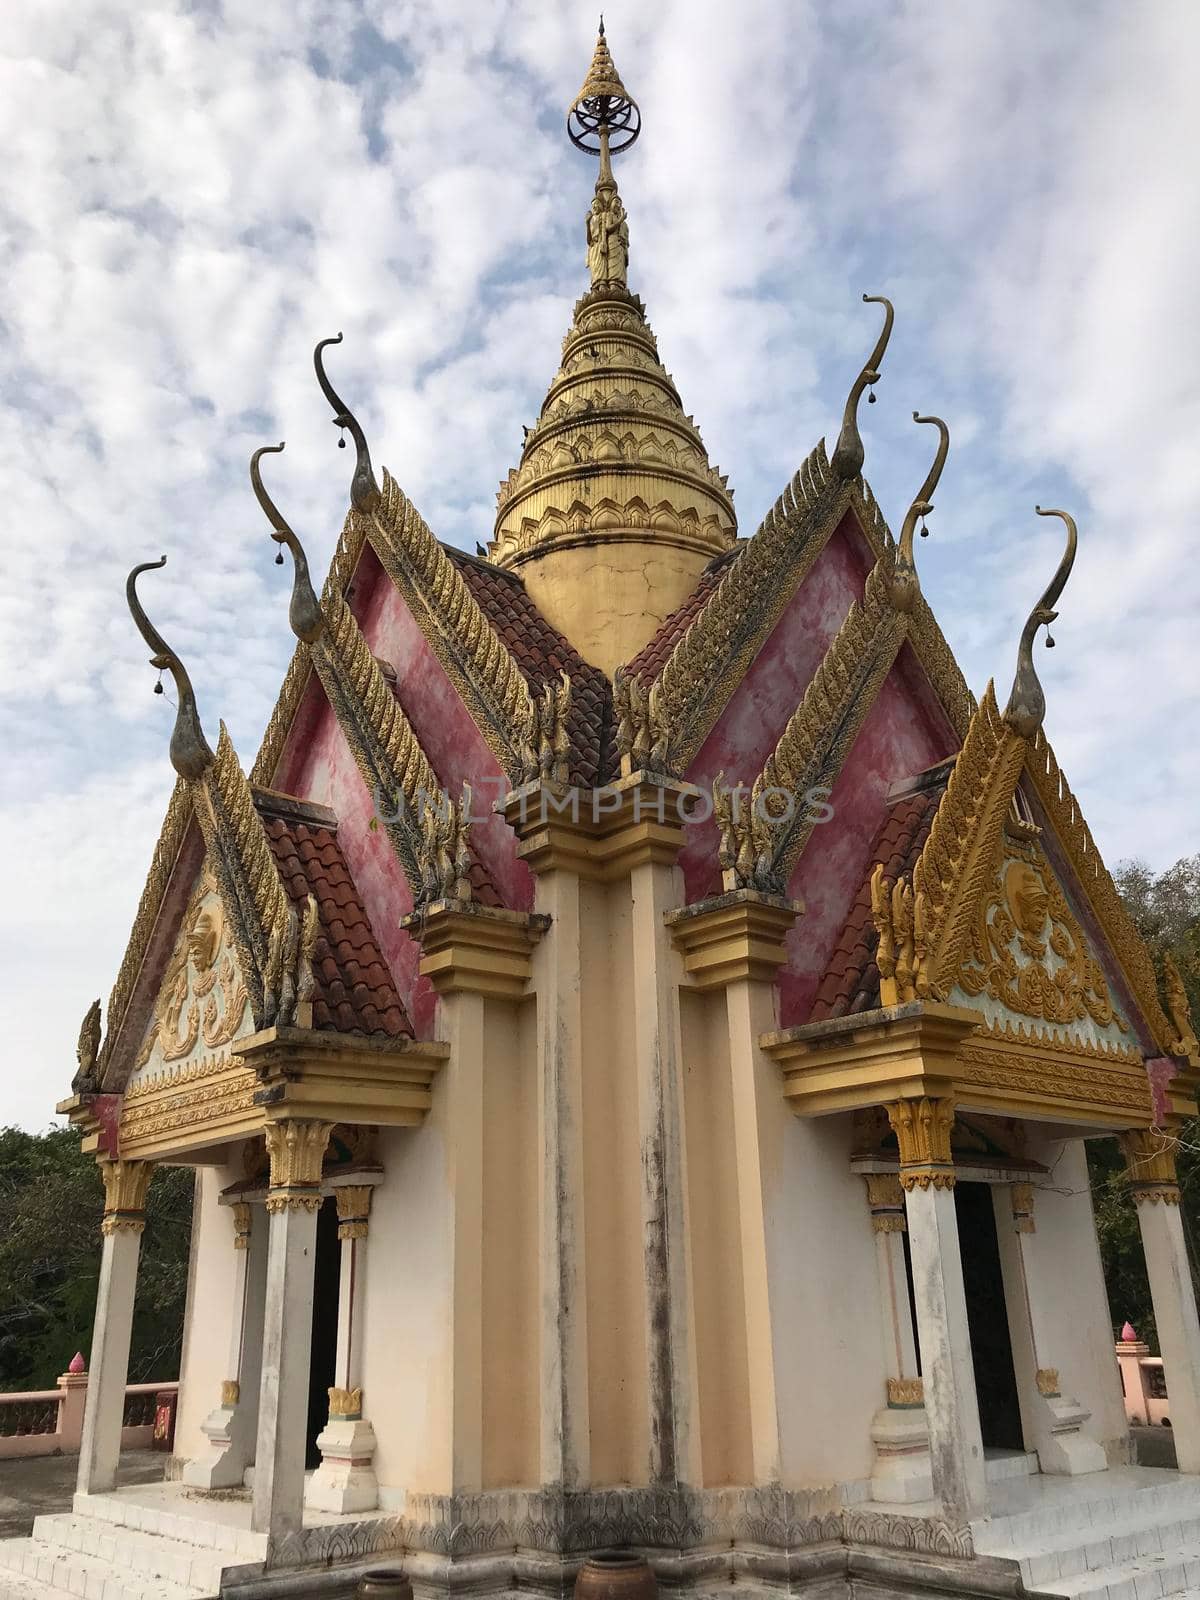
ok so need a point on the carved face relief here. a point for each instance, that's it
(1027, 897)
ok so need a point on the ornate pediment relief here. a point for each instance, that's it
(203, 1004)
(1027, 959)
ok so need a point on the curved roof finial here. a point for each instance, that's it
(905, 584)
(304, 613)
(849, 455)
(190, 753)
(364, 491)
(1027, 704)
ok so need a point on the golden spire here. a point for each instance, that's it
(603, 118)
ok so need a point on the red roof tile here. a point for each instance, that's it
(541, 652)
(851, 981)
(353, 989)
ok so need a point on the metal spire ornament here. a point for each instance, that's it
(1026, 706)
(304, 613)
(191, 754)
(905, 585)
(603, 119)
(364, 491)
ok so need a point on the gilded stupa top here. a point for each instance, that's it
(613, 458)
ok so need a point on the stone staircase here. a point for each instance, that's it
(113, 1547)
(1125, 1534)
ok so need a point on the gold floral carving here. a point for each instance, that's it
(296, 1148)
(1179, 1009)
(885, 1197)
(353, 1209)
(478, 662)
(1026, 908)
(1061, 1076)
(905, 1393)
(1150, 1165)
(1047, 1382)
(202, 994)
(1021, 1196)
(922, 1127)
(242, 1218)
(1062, 809)
(902, 954)
(231, 1391)
(125, 1186)
(345, 1404)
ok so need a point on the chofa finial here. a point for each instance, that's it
(304, 613)
(849, 455)
(905, 584)
(1027, 704)
(190, 752)
(364, 491)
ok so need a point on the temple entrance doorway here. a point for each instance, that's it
(323, 1362)
(987, 1318)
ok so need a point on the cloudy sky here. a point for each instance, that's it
(192, 194)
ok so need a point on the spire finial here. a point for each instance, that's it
(190, 753)
(1027, 704)
(603, 119)
(304, 613)
(364, 491)
(905, 586)
(849, 455)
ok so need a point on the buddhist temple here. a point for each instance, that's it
(635, 1024)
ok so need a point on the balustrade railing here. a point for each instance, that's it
(44, 1422)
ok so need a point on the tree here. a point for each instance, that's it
(1165, 908)
(51, 1204)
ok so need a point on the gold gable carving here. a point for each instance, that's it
(1028, 953)
(203, 997)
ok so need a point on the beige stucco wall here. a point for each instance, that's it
(208, 1320)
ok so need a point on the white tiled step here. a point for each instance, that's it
(221, 1526)
(195, 1566)
(1170, 1572)
(49, 1571)
(1012, 1534)
(1104, 1544)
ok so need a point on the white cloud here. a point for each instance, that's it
(189, 199)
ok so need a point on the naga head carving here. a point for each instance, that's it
(364, 491)
(849, 455)
(905, 586)
(1026, 706)
(191, 755)
(304, 613)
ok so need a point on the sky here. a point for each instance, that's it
(192, 194)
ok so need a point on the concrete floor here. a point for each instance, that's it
(37, 1484)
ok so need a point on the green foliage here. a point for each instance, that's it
(1166, 910)
(51, 1203)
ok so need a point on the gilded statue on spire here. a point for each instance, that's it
(603, 119)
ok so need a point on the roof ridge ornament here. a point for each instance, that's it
(191, 754)
(905, 584)
(305, 614)
(364, 490)
(1026, 708)
(849, 455)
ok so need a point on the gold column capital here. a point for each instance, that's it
(297, 1149)
(242, 1217)
(345, 1405)
(1047, 1382)
(353, 1209)
(1150, 1165)
(125, 1186)
(885, 1198)
(922, 1127)
(1021, 1195)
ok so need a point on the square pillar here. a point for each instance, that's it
(125, 1185)
(922, 1127)
(296, 1149)
(899, 1431)
(345, 1480)
(1150, 1159)
(232, 1425)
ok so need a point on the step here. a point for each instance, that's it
(998, 1468)
(48, 1571)
(1076, 1550)
(142, 1554)
(1149, 1577)
(1011, 1533)
(191, 1520)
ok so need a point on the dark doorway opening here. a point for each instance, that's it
(323, 1362)
(987, 1318)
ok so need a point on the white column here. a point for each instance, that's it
(296, 1150)
(232, 1426)
(898, 1430)
(125, 1185)
(345, 1480)
(951, 1407)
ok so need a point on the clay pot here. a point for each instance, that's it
(385, 1583)
(615, 1575)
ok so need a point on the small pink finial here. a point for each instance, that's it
(77, 1363)
(1128, 1336)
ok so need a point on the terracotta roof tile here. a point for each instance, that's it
(353, 989)
(851, 981)
(652, 657)
(541, 652)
